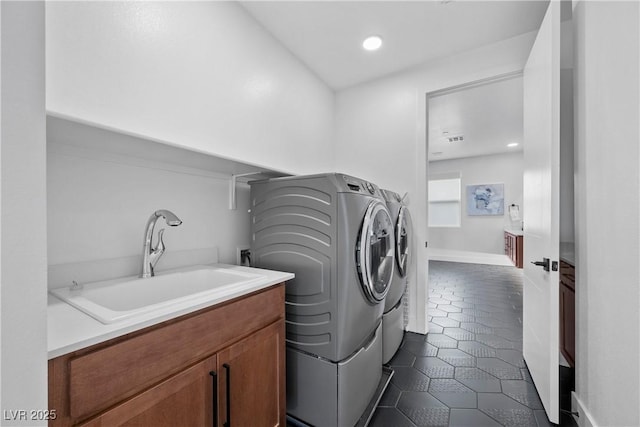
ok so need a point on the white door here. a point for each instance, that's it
(541, 210)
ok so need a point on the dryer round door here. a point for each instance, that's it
(403, 241)
(375, 252)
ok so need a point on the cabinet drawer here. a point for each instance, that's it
(185, 399)
(101, 378)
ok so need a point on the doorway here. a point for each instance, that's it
(475, 158)
(468, 239)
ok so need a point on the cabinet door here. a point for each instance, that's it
(507, 249)
(512, 248)
(184, 399)
(251, 380)
(518, 251)
(567, 323)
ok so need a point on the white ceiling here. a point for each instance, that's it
(327, 35)
(488, 116)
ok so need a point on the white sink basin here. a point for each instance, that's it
(114, 300)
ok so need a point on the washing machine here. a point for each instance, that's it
(335, 233)
(393, 319)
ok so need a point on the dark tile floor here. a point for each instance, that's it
(469, 370)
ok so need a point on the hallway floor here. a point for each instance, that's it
(469, 370)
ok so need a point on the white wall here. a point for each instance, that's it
(480, 233)
(199, 74)
(23, 255)
(380, 132)
(607, 100)
(98, 204)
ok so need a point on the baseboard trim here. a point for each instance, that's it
(584, 419)
(436, 254)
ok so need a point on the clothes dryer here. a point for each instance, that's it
(335, 233)
(393, 317)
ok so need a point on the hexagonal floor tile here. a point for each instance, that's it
(441, 341)
(476, 328)
(409, 379)
(419, 348)
(434, 367)
(402, 358)
(462, 317)
(495, 341)
(436, 329)
(477, 349)
(523, 392)
(499, 368)
(390, 397)
(512, 417)
(512, 357)
(449, 308)
(453, 393)
(462, 304)
(445, 322)
(478, 380)
(456, 357)
(385, 417)
(459, 334)
(471, 418)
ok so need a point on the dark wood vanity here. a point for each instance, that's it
(206, 368)
(513, 246)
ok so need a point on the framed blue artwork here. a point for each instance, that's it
(485, 199)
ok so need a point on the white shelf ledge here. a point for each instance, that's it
(79, 138)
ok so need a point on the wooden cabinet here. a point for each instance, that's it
(513, 248)
(224, 362)
(251, 372)
(567, 312)
(183, 399)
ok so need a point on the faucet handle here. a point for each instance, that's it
(157, 252)
(160, 244)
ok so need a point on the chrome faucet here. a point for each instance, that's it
(150, 257)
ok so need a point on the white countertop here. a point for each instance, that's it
(514, 231)
(69, 329)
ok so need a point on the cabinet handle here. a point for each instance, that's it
(215, 397)
(228, 369)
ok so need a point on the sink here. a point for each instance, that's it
(115, 300)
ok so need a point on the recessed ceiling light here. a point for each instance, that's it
(513, 144)
(372, 43)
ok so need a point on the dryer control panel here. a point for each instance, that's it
(359, 186)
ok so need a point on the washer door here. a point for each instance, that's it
(403, 241)
(374, 253)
